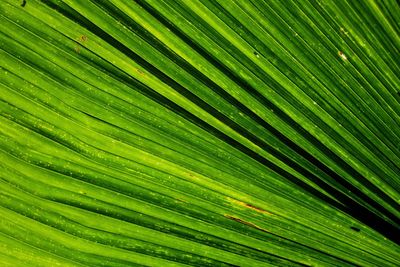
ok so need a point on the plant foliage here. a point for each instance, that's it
(199, 133)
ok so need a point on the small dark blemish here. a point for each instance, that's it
(342, 55)
(83, 38)
(256, 54)
(245, 223)
(355, 228)
(23, 3)
(254, 208)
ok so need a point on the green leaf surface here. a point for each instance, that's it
(199, 133)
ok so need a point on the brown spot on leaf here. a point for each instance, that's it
(255, 208)
(249, 206)
(181, 200)
(81, 40)
(236, 219)
(342, 56)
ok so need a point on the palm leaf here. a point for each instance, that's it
(199, 133)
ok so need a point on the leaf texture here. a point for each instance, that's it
(199, 133)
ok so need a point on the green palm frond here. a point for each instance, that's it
(200, 133)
